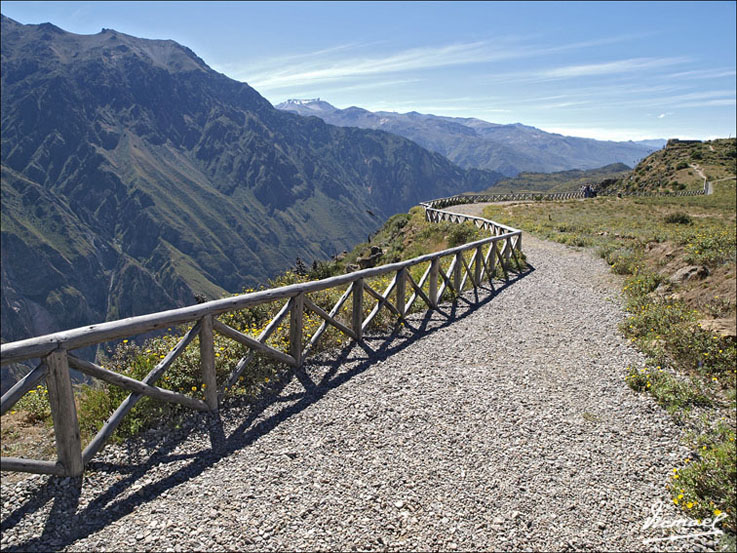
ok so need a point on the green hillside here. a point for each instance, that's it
(681, 165)
(560, 181)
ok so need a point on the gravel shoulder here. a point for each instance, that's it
(499, 425)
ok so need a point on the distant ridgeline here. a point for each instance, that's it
(134, 177)
(473, 143)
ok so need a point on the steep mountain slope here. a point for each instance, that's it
(469, 142)
(134, 176)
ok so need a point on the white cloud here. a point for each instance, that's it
(406, 60)
(611, 67)
(324, 66)
(661, 116)
(326, 92)
(703, 74)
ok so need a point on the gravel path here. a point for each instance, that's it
(508, 428)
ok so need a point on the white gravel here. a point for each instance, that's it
(506, 427)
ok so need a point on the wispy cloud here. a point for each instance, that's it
(329, 65)
(322, 91)
(237, 70)
(561, 105)
(611, 67)
(406, 60)
(703, 74)
(708, 103)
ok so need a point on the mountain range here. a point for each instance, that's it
(135, 177)
(473, 143)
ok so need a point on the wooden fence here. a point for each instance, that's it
(55, 350)
(541, 197)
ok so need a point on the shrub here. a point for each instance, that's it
(624, 261)
(462, 233)
(704, 488)
(669, 391)
(35, 405)
(711, 247)
(678, 218)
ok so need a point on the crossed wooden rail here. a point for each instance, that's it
(54, 349)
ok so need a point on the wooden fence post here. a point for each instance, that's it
(64, 413)
(401, 287)
(507, 251)
(457, 272)
(295, 328)
(477, 267)
(207, 363)
(358, 309)
(434, 273)
(492, 262)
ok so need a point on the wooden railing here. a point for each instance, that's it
(55, 349)
(510, 197)
(541, 197)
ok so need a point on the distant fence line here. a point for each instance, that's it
(459, 199)
(54, 350)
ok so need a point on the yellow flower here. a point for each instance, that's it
(717, 512)
(125, 341)
(689, 505)
(194, 388)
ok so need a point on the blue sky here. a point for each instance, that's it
(603, 70)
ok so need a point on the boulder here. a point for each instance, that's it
(371, 259)
(722, 327)
(691, 272)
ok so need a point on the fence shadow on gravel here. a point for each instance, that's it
(65, 493)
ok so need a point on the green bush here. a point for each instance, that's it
(678, 218)
(704, 487)
(711, 247)
(462, 233)
(670, 392)
(624, 261)
(35, 405)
